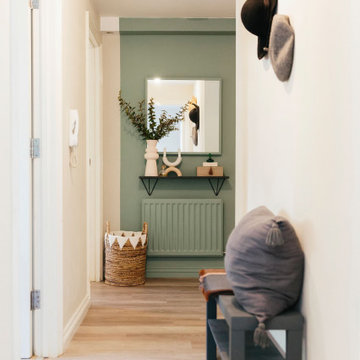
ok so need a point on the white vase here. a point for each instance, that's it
(151, 155)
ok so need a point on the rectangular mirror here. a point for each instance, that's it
(200, 132)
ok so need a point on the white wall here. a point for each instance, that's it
(74, 179)
(111, 130)
(75, 278)
(302, 161)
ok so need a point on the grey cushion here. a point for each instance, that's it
(264, 263)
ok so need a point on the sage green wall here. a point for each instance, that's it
(176, 55)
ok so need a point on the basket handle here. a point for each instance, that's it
(108, 227)
(145, 228)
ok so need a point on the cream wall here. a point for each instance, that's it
(111, 129)
(74, 179)
(302, 161)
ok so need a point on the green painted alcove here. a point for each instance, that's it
(181, 49)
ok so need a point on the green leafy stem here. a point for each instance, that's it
(150, 129)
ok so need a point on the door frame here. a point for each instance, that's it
(47, 248)
(94, 244)
(48, 244)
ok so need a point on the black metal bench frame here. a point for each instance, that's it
(229, 335)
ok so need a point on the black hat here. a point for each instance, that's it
(256, 16)
(194, 115)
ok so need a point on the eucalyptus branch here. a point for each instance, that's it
(150, 129)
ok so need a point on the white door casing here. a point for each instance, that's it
(94, 154)
(48, 190)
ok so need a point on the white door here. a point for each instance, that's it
(26, 179)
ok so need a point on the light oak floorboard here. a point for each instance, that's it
(162, 320)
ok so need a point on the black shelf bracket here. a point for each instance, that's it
(150, 182)
(148, 186)
(216, 184)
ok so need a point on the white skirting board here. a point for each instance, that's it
(75, 321)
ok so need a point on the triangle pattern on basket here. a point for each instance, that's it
(122, 236)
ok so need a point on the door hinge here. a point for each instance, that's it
(34, 4)
(34, 148)
(35, 299)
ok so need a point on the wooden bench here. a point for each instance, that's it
(233, 335)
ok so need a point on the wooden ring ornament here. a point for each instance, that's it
(169, 163)
(172, 169)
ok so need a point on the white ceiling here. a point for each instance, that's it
(166, 8)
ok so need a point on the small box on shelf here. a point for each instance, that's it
(210, 163)
(210, 171)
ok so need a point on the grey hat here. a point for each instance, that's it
(281, 46)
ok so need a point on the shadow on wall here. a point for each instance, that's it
(304, 230)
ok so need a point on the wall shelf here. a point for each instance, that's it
(150, 182)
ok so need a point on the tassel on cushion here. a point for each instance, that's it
(260, 336)
(274, 236)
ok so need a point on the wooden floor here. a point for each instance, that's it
(164, 319)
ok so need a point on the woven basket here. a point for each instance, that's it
(125, 266)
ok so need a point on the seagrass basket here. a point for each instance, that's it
(125, 257)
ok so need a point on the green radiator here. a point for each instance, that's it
(184, 227)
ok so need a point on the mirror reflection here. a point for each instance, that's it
(200, 130)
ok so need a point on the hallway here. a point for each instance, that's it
(165, 319)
